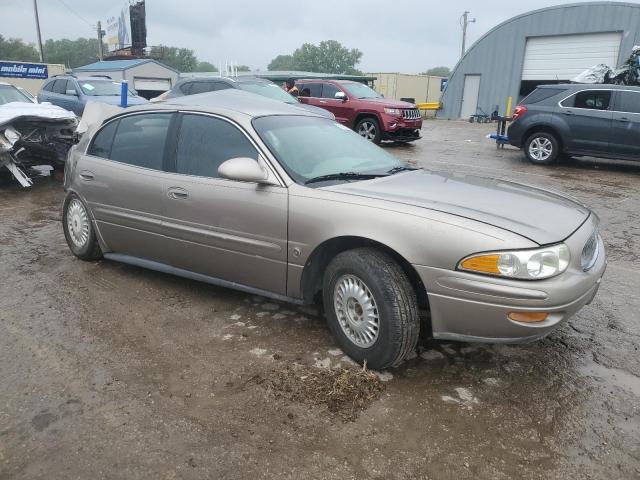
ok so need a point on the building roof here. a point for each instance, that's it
(282, 75)
(111, 65)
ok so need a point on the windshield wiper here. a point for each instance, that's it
(345, 176)
(400, 169)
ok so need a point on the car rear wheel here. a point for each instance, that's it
(542, 148)
(369, 128)
(371, 307)
(78, 229)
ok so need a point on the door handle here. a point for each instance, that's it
(177, 193)
(623, 119)
(85, 175)
(323, 101)
(568, 112)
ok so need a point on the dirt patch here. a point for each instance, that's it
(344, 392)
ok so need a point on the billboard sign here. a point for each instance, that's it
(23, 70)
(119, 28)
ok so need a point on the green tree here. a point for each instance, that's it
(205, 67)
(17, 50)
(182, 59)
(281, 62)
(72, 53)
(438, 72)
(243, 68)
(329, 56)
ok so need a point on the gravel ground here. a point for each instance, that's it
(111, 371)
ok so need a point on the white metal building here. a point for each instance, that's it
(550, 45)
(147, 76)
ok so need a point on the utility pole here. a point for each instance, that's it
(100, 35)
(35, 9)
(464, 22)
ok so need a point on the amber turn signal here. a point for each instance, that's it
(482, 263)
(528, 317)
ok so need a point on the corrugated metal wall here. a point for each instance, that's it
(499, 55)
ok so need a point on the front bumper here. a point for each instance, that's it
(400, 129)
(470, 307)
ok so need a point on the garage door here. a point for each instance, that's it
(563, 57)
(157, 84)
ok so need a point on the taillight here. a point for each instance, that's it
(518, 112)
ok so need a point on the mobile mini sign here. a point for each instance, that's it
(23, 70)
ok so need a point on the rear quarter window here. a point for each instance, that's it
(541, 94)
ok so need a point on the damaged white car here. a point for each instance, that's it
(32, 135)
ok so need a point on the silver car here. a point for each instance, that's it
(252, 194)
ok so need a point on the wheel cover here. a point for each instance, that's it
(540, 148)
(77, 223)
(367, 130)
(356, 311)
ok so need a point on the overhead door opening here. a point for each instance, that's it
(559, 58)
(151, 87)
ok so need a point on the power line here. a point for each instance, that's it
(76, 14)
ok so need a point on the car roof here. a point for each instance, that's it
(590, 86)
(229, 101)
(242, 79)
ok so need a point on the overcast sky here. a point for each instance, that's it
(395, 36)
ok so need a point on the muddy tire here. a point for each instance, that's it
(79, 230)
(369, 129)
(371, 307)
(542, 148)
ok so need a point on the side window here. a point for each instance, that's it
(140, 140)
(185, 88)
(202, 87)
(592, 99)
(101, 145)
(628, 102)
(204, 143)
(48, 86)
(329, 90)
(60, 86)
(311, 90)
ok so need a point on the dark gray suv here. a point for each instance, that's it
(596, 120)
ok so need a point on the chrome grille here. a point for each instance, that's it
(411, 114)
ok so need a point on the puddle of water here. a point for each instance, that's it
(613, 377)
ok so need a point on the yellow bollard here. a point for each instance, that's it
(509, 101)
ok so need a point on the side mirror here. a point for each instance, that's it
(341, 96)
(71, 92)
(244, 169)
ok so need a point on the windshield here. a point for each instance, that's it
(10, 94)
(269, 90)
(309, 147)
(101, 88)
(360, 90)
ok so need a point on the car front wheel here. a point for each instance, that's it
(369, 128)
(371, 307)
(542, 148)
(78, 229)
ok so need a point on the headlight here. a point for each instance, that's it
(590, 252)
(393, 111)
(535, 264)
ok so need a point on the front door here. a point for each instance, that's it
(340, 108)
(121, 178)
(231, 230)
(625, 131)
(470, 96)
(588, 116)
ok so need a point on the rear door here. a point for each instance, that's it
(58, 94)
(625, 134)
(338, 107)
(310, 93)
(121, 178)
(588, 115)
(231, 230)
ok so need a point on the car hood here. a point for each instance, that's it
(385, 102)
(316, 110)
(115, 100)
(541, 216)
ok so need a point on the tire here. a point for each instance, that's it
(79, 230)
(365, 276)
(369, 129)
(542, 148)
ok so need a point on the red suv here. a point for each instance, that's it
(360, 107)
